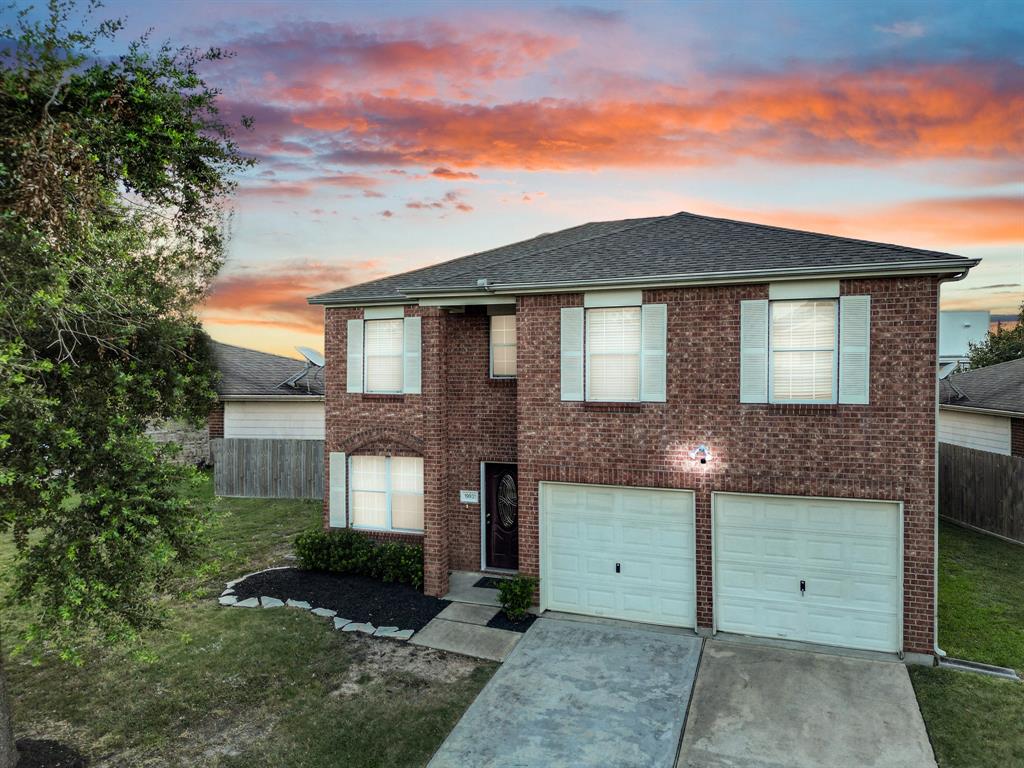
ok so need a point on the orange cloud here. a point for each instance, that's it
(931, 111)
(278, 189)
(277, 298)
(941, 223)
(314, 59)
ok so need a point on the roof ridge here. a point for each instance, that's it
(257, 351)
(635, 224)
(822, 235)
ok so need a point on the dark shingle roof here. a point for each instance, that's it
(248, 372)
(992, 388)
(683, 244)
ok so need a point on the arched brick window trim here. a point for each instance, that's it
(383, 442)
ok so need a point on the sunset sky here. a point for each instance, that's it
(395, 135)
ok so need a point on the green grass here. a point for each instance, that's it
(975, 721)
(228, 687)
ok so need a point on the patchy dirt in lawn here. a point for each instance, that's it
(377, 660)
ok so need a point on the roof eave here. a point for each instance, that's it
(946, 266)
(980, 409)
(311, 397)
(327, 300)
(411, 294)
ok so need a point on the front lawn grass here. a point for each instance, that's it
(975, 721)
(228, 687)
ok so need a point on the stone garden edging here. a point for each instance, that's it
(228, 598)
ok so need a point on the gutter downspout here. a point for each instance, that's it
(941, 654)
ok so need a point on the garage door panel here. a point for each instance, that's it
(852, 573)
(648, 532)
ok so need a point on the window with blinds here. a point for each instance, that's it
(503, 346)
(384, 355)
(386, 492)
(803, 351)
(613, 354)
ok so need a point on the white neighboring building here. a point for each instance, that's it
(984, 409)
(957, 330)
(255, 401)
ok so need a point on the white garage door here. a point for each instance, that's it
(845, 552)
(624, 553)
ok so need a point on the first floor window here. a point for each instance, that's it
(387, 492)
(613, 354)
(803, 351)
(503, 346)
(384, 348)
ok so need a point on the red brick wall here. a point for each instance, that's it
(884, 450)
(215, 421)
(454, 427)
(481, 427)
(410, 424)
(1017, 437)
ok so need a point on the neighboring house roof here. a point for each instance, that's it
(249, 373)
(683, 247)
(992, 388)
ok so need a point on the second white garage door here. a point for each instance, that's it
(624, 553)
(844, 553)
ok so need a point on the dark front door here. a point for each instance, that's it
(501, 525)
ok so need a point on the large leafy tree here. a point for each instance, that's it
(1000, 346)
(113, 173)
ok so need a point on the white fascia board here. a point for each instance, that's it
(477, 300)
(986, 411)
(270, 398)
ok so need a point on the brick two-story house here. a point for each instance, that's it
(678, 420)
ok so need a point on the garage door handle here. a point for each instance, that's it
(618, 567)
(803, 586)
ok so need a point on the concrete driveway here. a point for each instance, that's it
(576, 693)
(761, 707)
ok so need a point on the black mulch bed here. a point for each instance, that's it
(501, 621)
(45, 753)
(357, 598)
(488, 582)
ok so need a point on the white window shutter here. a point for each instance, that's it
(572, 353)
(854, 349)
(413, 356)
(754, 351)
(338, 489)
(354, 358)
(654, 327)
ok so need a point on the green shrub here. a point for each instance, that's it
(516, 595)
(346, 551)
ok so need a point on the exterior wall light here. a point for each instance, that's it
(702, 453)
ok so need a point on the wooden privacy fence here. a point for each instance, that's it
(268, 469)
(983, 490)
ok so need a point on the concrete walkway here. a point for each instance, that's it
(580, 694)
(761, 707)
(461, 628)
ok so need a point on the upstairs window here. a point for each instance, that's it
(613, 354)
(384, 351)
(803, 351)
(503, 346)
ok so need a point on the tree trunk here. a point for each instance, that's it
(8, 752)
